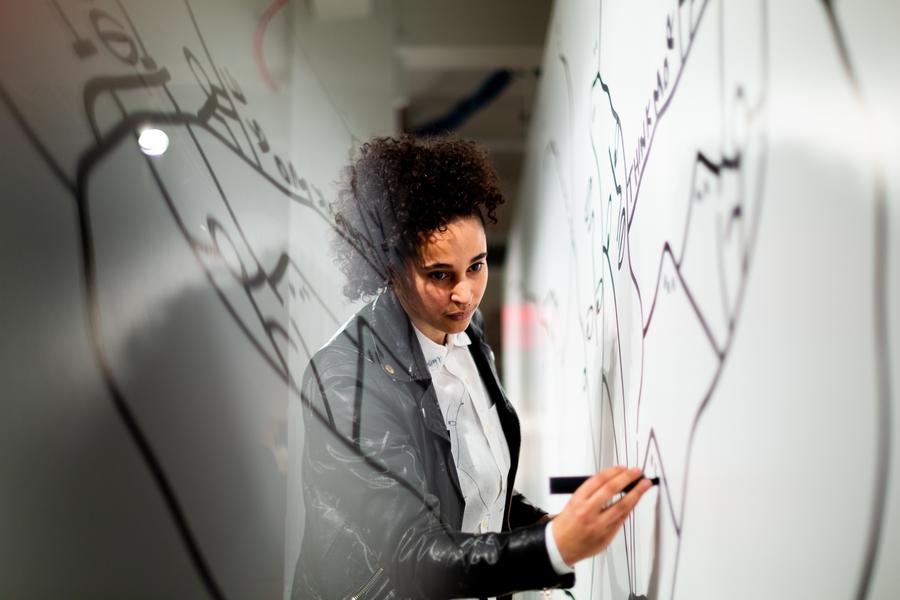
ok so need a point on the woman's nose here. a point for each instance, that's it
(462, 293)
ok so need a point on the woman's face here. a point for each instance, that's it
(444, 284)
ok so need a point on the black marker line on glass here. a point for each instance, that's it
(567, 485)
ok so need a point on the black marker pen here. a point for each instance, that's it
(567, 485)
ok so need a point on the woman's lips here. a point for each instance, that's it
(460, 316)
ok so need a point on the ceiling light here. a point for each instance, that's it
(153, 142)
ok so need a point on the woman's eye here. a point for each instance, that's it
(438, 275)
(477, 266)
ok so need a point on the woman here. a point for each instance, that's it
(411, 446)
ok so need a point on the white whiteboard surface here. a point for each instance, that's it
(155, 312)
(704, 281)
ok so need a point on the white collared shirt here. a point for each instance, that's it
(477, 442)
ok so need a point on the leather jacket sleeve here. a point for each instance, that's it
(373, 522)
(523, 513)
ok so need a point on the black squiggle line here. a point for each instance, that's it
(880, 324)
(633, 198)
(143, 444)
(212, 63)
(109, 142)
(146, 60)
(248, 282)
(841, 43)
(652, 441)
(714, 168)
(98, 85)
(83, 47)
(662, 111)
(135, 119)
(35, 141)
(747, 249)
(88, 261)
(127, 125)
(260, 274)
(612, 419)
(312, 289)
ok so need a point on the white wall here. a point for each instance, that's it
(703, 282)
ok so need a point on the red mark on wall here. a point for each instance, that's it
(258, 38)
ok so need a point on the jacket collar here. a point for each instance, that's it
(397, 349)
(395, 344)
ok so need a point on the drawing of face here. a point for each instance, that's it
(444, 284)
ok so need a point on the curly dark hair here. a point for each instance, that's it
(396, 192)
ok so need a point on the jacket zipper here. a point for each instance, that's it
(368, 586)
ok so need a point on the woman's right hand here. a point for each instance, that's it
(587, 524)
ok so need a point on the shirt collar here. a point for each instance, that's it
(435, 354)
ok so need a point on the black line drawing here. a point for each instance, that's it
(619, 299)
(880, 324)
(625, 170)
(223, 119)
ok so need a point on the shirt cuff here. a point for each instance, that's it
(556, 559)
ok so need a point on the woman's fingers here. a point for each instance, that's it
(614, 485)
(588, 523)
(589, 487)
(621, 509)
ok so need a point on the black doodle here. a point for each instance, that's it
(622, 153)
(82, 46)
(219, 118)
(609, 224)
(880, 327)
(686, 20)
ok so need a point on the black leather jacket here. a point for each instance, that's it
(382, 499)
